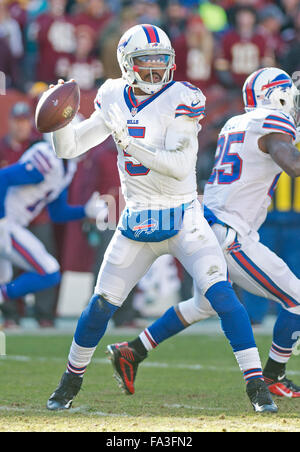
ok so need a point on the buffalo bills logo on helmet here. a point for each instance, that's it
(124, 43)
(282, 81)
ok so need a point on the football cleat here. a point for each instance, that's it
(125, 361)
(260, 396)
(282, 386)
(63, 396)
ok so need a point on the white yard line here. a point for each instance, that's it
(82, 409)
(190, 407)
(154, 364)
(160, 365)
(87, 411)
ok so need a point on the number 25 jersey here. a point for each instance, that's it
(243, 179)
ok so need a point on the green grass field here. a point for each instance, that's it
(189, 384)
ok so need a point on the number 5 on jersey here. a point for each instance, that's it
(131, 168)
(228, 164)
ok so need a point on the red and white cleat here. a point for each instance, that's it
(283, 387)
(125, 361)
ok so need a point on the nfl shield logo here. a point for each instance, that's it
(133, 111)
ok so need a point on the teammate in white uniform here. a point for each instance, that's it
(39, 179)
(154, 122)
(252, 150)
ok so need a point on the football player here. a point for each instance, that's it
(252, 151)
(37, 180)
(154, 122)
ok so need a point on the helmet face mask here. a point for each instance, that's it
(294, 104)
(153, 63)
(271, 88)
(296, 109)
(146, 49)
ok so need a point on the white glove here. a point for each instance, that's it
(97, 209)
(118, 126)
(5, 239)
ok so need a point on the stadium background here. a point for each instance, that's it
(217, 43)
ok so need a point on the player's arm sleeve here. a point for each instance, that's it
(17, 174)
(62, 212)
(178, 158)
(74, 140)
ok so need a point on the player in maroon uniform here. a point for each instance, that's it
(95, 14)
(194, 54)
(83, 65)
(243, 50)
(54, 35)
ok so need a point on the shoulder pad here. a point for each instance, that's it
(277, 121)
(105, 90)
(191, 102)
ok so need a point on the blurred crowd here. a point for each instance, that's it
(218, 43)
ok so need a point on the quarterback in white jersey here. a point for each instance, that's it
(154, 122)
(169, 183)
(252, 151)
(37, 180)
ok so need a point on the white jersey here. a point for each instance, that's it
(148, 121)
(23, 203)
(240, 188)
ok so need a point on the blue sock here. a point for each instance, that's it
(166, 326)
(93, 321)
(29, 283)
(284, 336)
(286, 325)
(234, 318)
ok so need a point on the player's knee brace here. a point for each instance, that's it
(93, 321)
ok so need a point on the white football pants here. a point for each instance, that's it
(28, 253)
(195, 246)
(253, 267)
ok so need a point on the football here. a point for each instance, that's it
(57, 107)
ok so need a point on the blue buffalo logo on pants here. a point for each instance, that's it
(152, 225)
(147, 227)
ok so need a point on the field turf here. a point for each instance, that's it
(191, 383)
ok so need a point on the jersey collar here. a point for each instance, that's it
(132, 103)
